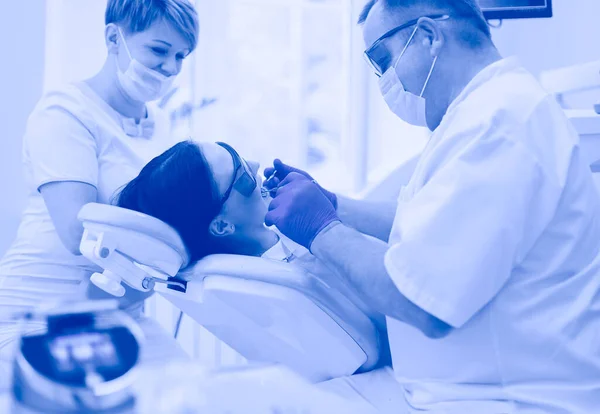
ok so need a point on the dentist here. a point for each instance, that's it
(85, 141)
(488, 264)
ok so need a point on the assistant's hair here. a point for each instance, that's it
(178, 188)
(138, 15)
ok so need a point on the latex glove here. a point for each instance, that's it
(282, 172)
(300, 210)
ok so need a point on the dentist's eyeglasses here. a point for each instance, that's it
(244, 182)
(378, 54)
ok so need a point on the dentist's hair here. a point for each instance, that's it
(178, 188)
(138, 15)
(466, 10)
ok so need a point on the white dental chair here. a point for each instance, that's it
(266, 310)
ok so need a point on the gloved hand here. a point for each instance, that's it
(300, 210)
(282, 172)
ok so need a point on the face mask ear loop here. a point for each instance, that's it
(405, 47)
(428, 76)
(124, 43)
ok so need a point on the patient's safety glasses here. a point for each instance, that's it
(244, 182)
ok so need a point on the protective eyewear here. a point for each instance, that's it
(245, 182)
(378, 55)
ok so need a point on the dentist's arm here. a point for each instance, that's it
(304, 214)
(361, 261)
(372, 218)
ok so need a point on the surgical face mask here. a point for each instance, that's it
(407, 106)
(141, 83)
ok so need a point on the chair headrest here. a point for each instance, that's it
(134, 221)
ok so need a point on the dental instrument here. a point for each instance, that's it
(264, 191)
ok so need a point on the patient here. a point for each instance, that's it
(211, 196)
(194, 188)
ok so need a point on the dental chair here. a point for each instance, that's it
(267, 311)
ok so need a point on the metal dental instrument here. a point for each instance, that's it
(264, 191)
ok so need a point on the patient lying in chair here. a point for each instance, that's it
(211, 196)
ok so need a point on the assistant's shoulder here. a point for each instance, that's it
(69, 96)
(65, 103)
(60, 110)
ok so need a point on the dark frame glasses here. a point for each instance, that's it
(371, 55)
(245, 183)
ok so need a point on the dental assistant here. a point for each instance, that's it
(85, 141)
(488, 265)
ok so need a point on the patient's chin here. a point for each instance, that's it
(252, 240)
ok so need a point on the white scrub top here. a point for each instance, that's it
(72, 135)
(498, 235)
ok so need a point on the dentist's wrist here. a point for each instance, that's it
(316, 241)
(330, 196)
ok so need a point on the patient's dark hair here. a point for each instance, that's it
(178, 188)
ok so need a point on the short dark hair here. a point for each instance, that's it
(178, 188)
(467, 9)
(365, 11)
(138, 15)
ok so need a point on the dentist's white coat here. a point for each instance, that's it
(498, 235)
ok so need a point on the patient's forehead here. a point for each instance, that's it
(221, 164)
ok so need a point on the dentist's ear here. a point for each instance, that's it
(112, 38)
(433, 37)
(220, 228)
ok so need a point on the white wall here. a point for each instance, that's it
(75, 47)
(22, 28)
(568, 38)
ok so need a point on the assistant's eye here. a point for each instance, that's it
(159, 51)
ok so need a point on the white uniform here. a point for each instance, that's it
(72, 135)
(498, 235)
